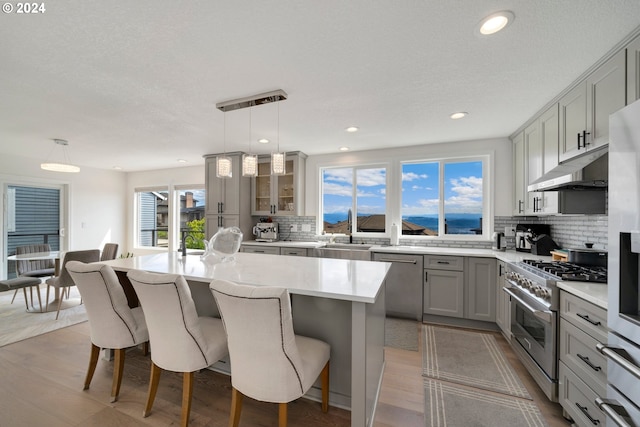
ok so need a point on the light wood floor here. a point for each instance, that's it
(41, 385)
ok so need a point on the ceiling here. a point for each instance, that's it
(134, 84)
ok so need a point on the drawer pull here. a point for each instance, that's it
(615, 411)
(444, 262)
(401, 261)
(586, 360)
(586, 317)
(585, 411)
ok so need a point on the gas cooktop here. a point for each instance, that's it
(571, 272)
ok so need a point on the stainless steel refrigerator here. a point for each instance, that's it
(623, 347)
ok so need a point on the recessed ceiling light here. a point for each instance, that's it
(495, 22)
(182, 161)
(344, 148)
(352, 129)
(263, 141)
(458, 115)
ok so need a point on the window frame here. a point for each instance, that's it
(136, 217)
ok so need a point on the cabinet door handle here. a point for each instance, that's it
(579, 140)
(586, 317)
(426, 276)
(585, 411)
(443, 262)
(586, 360)
(520, 203)
(584, 139)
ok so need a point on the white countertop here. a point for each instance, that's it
(507, 256)
(340, 279)
(595, 293)
(285, 244)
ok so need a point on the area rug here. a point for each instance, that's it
(16, 324)
(401, 333)
(452, 405)
(470, 358)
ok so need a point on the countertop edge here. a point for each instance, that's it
(595, 293)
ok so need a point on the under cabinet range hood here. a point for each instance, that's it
(588, 171)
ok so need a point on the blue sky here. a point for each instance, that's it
(420, 192)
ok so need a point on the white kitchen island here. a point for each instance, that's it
(338, 301)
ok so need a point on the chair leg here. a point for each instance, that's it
(93, 362)
(46, 302)
(39, 297)
(59, 305)
(118, 367)
(145, 348)
(14, 295)
(187, 391)
(282, 415)
(26, 300)
(324, 377)
(236, 407)
(153, 388)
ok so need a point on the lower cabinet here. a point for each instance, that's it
(503, 304)
(271, 250)
(480, 289)
(293, 251)
(582, 369)
(403, 289)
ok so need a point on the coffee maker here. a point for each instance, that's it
(527, 232)
(266, 231)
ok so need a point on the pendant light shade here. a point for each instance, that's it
(249, 161)
(278, 159)
(65, 166)
(223, 163)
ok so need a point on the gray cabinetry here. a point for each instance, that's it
(503, 304)
(403, 295)
(443, 286)
(519, 171)
(585, 110)
(293, 251)
(633, 70)
(271, 250)
(279, 194)
(480, 289)
(582, 368)
(227, 198)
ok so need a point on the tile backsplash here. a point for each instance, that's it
(571, 231)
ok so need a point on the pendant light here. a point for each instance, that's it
(249, 161)
(223, 163)
(66, 166)
(278, 159)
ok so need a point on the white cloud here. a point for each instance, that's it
(337, 189)
(412, 176)
(371, 177)
(468, 195)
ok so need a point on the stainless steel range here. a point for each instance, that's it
(535, 299)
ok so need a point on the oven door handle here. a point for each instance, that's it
(540, 314)
(614, 410)
(621, 357)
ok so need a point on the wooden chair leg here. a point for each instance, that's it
(118, 368)
(145, 348)
(14, 295)
(46, 302)
(187, 391)
(236, 407)
(324, 377)
(39, 297)
(153, 388)
(26, 300)
(59, 305)
(93, 362)
(282, 415)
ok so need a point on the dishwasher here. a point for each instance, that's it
(403, 296)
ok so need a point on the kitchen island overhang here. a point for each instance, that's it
(338, 301)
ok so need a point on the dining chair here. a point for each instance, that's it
(109, 251)
(34, 268)
(112, 323)
(268, 361)
(64, 280)
(180, 340)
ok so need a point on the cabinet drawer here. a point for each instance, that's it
(578, 351)
(444, 262)
(588, 317)
(578, 399)
(271, 250)
(293, 251)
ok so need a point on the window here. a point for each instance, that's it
(152, 217)
(442, 198)
(359, 190)
(191, 207)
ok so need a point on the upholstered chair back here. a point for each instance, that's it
(265, 362)
(86, 256)
(35, 267)
(109, 251)
(111, 321)
(177, 341)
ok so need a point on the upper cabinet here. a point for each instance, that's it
(519, 171)
(633, 70)
(279, 194)
(585, 110)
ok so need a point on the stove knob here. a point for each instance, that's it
(539, 291)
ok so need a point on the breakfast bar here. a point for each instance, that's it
(338, 301)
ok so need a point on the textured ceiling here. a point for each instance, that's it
(135, 84)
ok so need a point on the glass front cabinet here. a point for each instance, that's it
(279, 194)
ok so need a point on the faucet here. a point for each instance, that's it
(350, 225)
(184, 243)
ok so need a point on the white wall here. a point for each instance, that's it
(501, 166)
(96, 207)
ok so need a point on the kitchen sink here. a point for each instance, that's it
(352, 251)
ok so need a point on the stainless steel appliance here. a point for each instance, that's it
(266, 231)
(527, 232)
(535, 299)
(623, 315)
